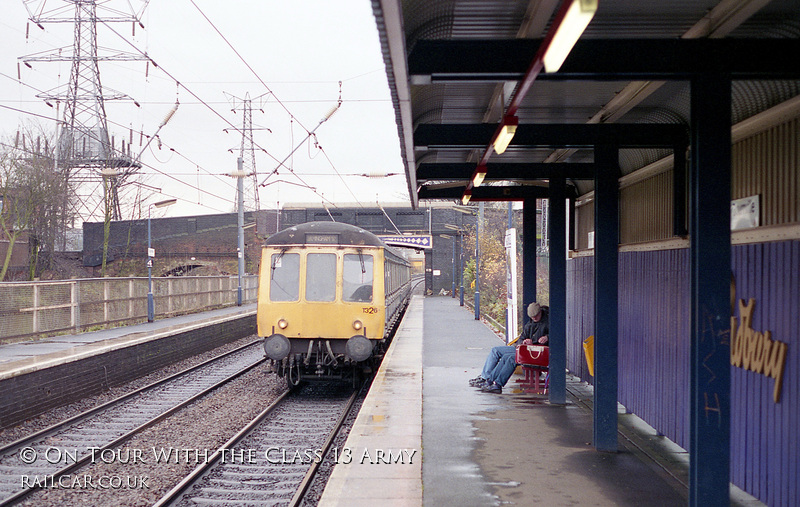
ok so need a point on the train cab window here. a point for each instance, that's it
(284, 281)
(320, 277)
(357, 279)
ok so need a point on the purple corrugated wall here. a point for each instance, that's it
(654, 355)
(765, 436)
(580, 312)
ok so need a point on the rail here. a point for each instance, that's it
(115, 422)
(30, 310)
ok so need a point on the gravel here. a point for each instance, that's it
(193, 431)
(131, 476)
(54, 416)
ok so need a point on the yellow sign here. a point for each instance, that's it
(757, 351)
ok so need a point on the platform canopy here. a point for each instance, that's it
(466, 74)
(456, 68)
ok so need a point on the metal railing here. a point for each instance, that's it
(43, 308)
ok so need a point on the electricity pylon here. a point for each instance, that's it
(85, 152)
(247, 150)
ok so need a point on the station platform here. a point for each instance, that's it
(24, 357)
(425, 437)
(42, 374)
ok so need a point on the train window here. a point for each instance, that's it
(284, 281)
(357, 279)
(320, 277)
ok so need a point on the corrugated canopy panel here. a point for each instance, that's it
(468, 97)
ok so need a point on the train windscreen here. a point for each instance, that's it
(320, 277)
(357, 279)
(284, 281)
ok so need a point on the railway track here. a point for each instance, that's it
(27, 464)
(274, 458)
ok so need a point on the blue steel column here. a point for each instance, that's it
(710, 241)
(606, 239)
(461, 268)
(558, 290)
(528, 255)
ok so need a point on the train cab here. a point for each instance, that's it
(328, 294)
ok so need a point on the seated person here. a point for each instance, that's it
(501, 362)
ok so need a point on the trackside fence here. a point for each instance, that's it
(30, 310)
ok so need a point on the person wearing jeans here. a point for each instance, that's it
(501, 362)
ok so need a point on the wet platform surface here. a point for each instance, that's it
(482, 449)
(513, 448)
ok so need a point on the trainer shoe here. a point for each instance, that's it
(494, 387)
(476, 381)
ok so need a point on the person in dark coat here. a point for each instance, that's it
(501, 362)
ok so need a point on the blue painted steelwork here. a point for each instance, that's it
(510, 226)
(710, 258)
(606, 226)
(461, 268)
(478, 229)
(558, 290)
(453, 293)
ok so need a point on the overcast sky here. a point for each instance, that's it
(300, 49)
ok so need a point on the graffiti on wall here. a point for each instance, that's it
(755, 350)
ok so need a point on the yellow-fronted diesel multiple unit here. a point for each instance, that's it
(329, 295)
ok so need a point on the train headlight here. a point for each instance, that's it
(358, 325)
(283, 324)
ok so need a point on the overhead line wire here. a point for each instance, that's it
(206, 104)
(234, 127)
(278, 100)
(325, 154)
(92, 134)
(246, 64)
(144, 164)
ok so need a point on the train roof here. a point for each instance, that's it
(325, 233)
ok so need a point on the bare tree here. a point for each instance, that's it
(35, 196)
(14, 214)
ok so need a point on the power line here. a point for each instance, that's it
(207, 105)
(143, 164)
(221, 103)
(138, 132)
(339, 175)
(204, 103)
(247, 64)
